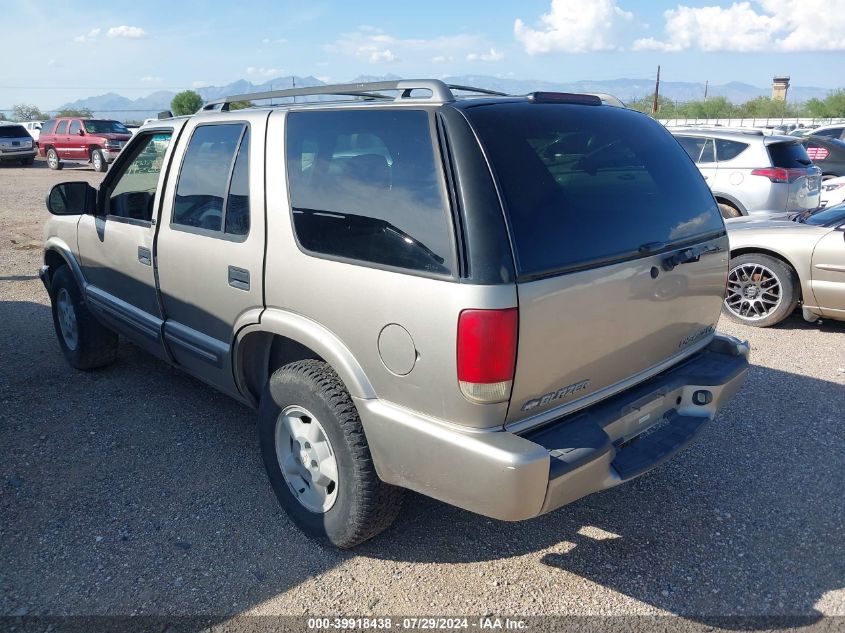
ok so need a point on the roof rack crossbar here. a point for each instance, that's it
(481, 91)
(440, 92)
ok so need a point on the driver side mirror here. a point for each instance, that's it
(81, 132)
(72, 198)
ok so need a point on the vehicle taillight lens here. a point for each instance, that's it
(487, 353)
(779, 174)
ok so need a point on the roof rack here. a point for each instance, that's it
(372, 90)
(440, 92)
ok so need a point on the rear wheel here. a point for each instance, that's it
(85, 342)
(729, 211)
(53, 161)
(99, 161)
(317, 457)
(761, 290)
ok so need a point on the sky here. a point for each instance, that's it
(73, 49)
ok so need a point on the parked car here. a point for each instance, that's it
(95, 141)
(16, 144)
(831, 131)
(778, 265)
(754, 174)
(828, 154)
(34, 129)
(402, 310)
(833, 192)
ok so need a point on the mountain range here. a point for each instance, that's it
(112, 105)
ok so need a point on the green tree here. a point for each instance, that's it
(831, 106)
(83, 113)
(240, 105)
(186, 102)
(27, 112)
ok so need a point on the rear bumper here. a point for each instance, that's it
(18, 154)
(514, 477)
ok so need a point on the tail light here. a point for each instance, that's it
(487, 354)
(780, 174)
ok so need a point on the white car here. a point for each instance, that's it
(33, 127)
(833, 192)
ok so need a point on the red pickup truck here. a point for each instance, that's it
(95, 141)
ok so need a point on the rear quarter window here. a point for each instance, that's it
(365, 186)
(728, 150)
(588, 185)
(789, 155)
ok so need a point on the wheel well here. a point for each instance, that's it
(262, 353)
(730, 203)
(92, 149)
(764, 251)
(54, 261)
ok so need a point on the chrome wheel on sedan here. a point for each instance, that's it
(761, 291)
(753, 292)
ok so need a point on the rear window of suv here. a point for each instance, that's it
(13, 131)
(589, 185)
(789, 154)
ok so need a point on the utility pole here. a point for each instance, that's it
(706, 83)
(293, 83)
(656, 92)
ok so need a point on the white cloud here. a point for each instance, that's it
(199, 84)
(762, 25)
(263, 72)
(575, 26)
(91, 35)
(375, 46)
(491, 56)
(385, 55)
(130, 32)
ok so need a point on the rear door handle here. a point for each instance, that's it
(145, 256)
(238, 278)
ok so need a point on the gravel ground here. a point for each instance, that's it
(138, 490)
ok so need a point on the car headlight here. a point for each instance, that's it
(833, 187)
(113, 144)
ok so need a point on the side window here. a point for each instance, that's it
(74, 127)
(692, 146)
(727, 150)
(364, 186)
(62, 127)
(831, 132)
(708, 154)
(47, 127)
(212, 183)
(132, 194)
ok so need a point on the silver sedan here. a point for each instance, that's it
(777, 265)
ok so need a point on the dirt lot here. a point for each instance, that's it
(137, 489)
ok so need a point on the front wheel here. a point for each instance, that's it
(317, 457)
(761, 290)
(85, 342)
(729, 211)
(99, 161)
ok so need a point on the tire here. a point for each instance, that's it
(27, 162)
(53, 161)
(99, 161)
(356, 505)
(84, 341)
(755, 278)
(729, 211)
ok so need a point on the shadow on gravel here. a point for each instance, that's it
(136, 489)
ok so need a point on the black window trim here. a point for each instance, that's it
(448, 213)
(221, 233)
(122, 158)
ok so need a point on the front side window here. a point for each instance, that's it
(97, 126)
(213, 181)
(364, 185)
(133, 192)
